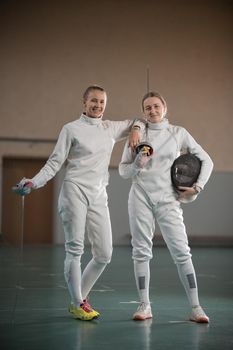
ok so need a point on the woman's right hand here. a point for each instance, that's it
(141, 159)
(24, 187)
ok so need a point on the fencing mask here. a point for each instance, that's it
(185, 171)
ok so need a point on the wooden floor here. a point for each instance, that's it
(34, 302)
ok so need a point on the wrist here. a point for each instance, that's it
(197, 188)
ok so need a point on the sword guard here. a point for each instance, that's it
(145, 148)
(23, 190)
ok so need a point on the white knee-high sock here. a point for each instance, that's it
(188, 278)
(90, 275)
(72, 272)
(142, 278)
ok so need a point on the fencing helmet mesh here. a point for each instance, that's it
(185, 170)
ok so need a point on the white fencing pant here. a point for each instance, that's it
(169, 216)
(79, 215)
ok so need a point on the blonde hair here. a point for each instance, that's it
(92, 88)
(154, 94)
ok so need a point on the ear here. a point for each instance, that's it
(164, 112)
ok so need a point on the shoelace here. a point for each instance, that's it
(142, 307)
(86, 307)
(199, 312)
(86, 303)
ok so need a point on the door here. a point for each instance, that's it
(35, 222)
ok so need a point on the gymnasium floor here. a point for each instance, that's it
(34, 301)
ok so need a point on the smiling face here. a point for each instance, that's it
(95, 103)
(154, 109)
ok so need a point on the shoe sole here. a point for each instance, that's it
(200, 320)
(83, 319)
(86, 319)
(140, 318)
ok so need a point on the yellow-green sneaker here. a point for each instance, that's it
(89, 306)
(84, 312)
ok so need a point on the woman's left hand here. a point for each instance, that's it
(186, 192)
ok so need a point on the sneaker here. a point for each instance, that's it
(89, 306)
(84, 312)
(198, 315)
(143, 312)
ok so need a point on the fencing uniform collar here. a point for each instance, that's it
(158, 126)
(89, 120)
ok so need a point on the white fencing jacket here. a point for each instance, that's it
(168, 142)
(86, 145)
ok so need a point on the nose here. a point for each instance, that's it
(98, 104)
(152, 109)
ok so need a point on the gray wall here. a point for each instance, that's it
(209, 219)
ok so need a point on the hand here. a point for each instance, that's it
(186, 193)
(24, 187)
(134, 137)
(141, 159)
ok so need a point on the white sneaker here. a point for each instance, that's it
(198, 315)
(143, 312)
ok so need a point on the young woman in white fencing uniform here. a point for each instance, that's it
(152, 197)
(86, 145)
